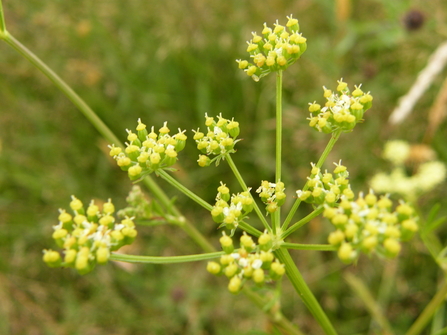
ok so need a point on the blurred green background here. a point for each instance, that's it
(175, 60)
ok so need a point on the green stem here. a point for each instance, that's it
(304, 292)
(302, 222)
(67, 90)
(3, 31)
(276, 316)
(164, 259)
(298, 246)
(166, 176)
(426, 315)
(249, 229)
(276, 216)
(327, 150)
(245, 188)
(278, 125)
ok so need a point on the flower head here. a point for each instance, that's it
(88, 236)
(253, 261)
(147, 152)
(229, 211)
(370, 225)
(342, 110)
(219, 139)
(276, 50)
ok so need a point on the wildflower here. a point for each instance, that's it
(219, 140)
(230, 214)
(272, 194)
(276, 50)
(250, 262)
(147, 152)
(370, 225)
(342, 110)
(88, 240)
(327, 188)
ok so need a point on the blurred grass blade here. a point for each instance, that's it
(362, 291)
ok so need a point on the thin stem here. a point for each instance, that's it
(372, 306)
(304, 292)
(327, 150)
(278, 125)
(319, 247)
(426, 315)
(3, 31)
(249, 229)
(276, 216)
(245, 188)
(67, 90)
(302, 222)
(276, 316)
(164, 259)
(166, 176)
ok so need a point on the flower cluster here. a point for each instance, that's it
(369, 225)
(251, 262)
(428, 175)
(272, 195)
(146, 152)
(219, 140)
(342, 110)
(327, 188)
(230, 214)
(89, 236)
(275, 50)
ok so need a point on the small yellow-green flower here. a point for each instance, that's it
(88, 240)
(275, 50)
(370, 225)
(272, 194)
(252, 261)
(219, 139)
(147, 152)
(342, 110)
(229, 211)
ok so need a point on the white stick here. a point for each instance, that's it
(435, 65)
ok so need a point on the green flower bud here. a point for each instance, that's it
(272, 207)
(231, 270)
(70, 256)
(52, 258)
(102, 255)
(76, 205)
(227, 244)
(277, 270)
(233, 128)
(226, 260)
(235, 284)
(409, 228)
(346, 253)
(265, 241)
(267, 259)
(336, 237)
(204, 161)
(247, 243)
(392, 247)
(213, 267)
(258, 276)
(217, 214)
